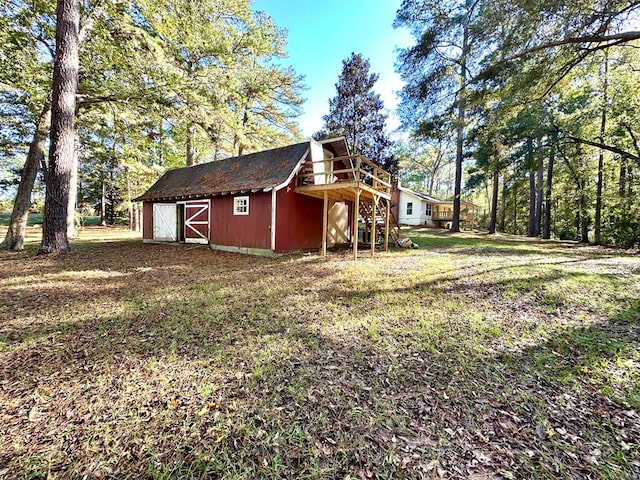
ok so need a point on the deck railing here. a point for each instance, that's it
(354, 168)
(437, 215)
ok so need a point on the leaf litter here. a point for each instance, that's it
(127, 360)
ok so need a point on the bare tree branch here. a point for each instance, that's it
(607, 40)
(603, 146)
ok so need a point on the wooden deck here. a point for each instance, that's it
(352, 179)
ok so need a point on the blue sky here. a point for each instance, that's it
(324, 33)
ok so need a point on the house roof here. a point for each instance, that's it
(423, 196)
(261, 170)
(427, 198)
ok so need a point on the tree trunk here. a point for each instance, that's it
(14, 239)
(73, 190)
(578, 222)
(531, 230)
(515, 208)
(547, 205)
(457, 187)
(603, 124)
(103, 199)
(503, 208)
(539, 188)
(434, 171)
(584, 217)
(63, 106)
(494, 203)
(191, 148)
(135, 212)
(129, 201)
(112, 192)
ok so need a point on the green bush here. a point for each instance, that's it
(623, 230)
(565, 230)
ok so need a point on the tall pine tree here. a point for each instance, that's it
(357, 113)
(61, 151)
(437, 69)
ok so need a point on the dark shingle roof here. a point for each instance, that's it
(254, 171)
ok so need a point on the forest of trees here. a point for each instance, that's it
(539, 101)
(532, 107)
(138, 87)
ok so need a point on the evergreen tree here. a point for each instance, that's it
(357, 113)
(62, 150)
(449, 42)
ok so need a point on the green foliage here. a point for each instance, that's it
(148, 76)
(539, 85)
(356, 112)
(623, 228)
(220, 75)
(5, 206)
(425, 164)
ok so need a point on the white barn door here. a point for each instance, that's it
(164, 222)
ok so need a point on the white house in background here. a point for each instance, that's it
(415, 208)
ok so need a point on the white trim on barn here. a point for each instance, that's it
(273, 219)
(291, 175)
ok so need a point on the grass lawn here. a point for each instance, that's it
(33, 219)
(36, 219)
(470, 358)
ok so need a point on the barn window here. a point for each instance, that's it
(409, 208)
(428, 211)
(241, 206)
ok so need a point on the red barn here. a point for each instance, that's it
(301, 197)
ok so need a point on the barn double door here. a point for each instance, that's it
(196, 221)
(187, 222)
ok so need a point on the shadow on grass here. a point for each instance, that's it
(484, 244)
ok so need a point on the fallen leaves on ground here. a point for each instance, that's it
(472, 358)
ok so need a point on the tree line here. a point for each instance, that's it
(126, 89)
(539, 99)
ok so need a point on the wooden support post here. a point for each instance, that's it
(325, 222)
(386, 225)
(373, 226)
(356, 213)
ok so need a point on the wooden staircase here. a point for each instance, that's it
(366, 213)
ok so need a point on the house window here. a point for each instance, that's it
(428, 210)
(241, 206)
(409, 208)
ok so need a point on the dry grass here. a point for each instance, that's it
(472, 357)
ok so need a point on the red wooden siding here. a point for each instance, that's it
(250, 231)
(147, 220)
(298, 221)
